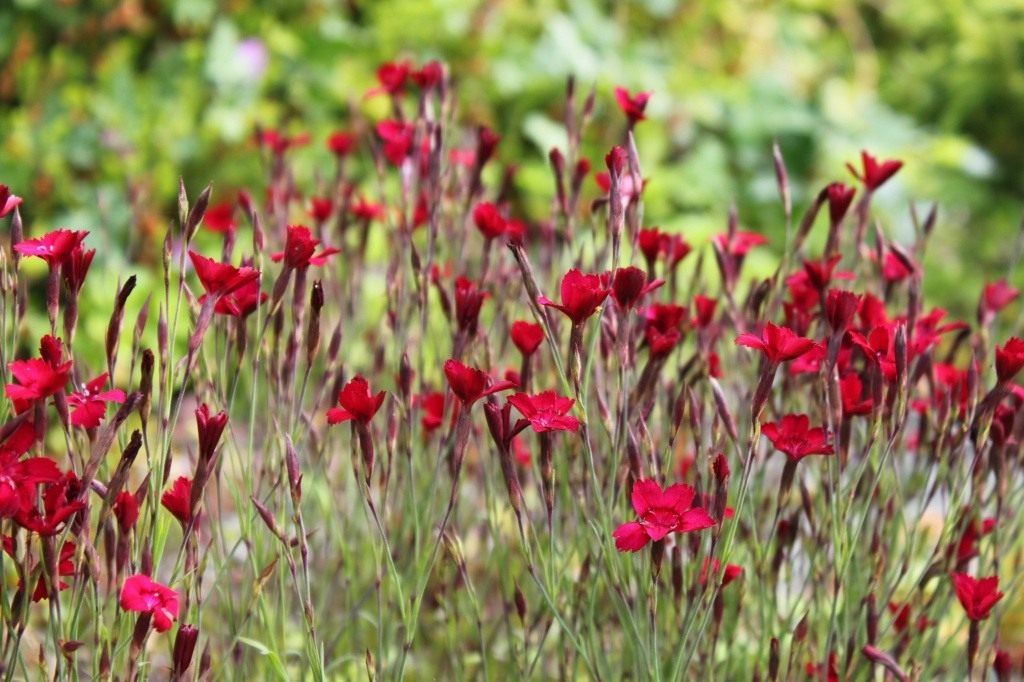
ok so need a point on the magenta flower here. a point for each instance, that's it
(659, 513)
(142, 594)
(546, 411)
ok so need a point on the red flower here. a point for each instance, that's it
(894, 268)
(39, 377)
(433, 411)
(1009, 359)
(630, 285)
(220, 218)
(470, 384)
(977, 595)
(178, 500)
(675, 249)
(75, 267)
(850, 388)
(840, 197)
(368, 210)
(840, 307)
(739, 243)
(488, 220)
(19, 477)
(581, 296)
(527, 336)
(874, 174)
(341, 143)
(279, 143)
(546, 411)
(705, 310)
(210, 428)
(242, 301)
(356, 403)
(793, 436)
(52, 247)
(65, 568)
(392, 77)
(649, 243)
(730, 574)
(8, 201)
(632, 105)
(659, 513)
(320, 208)
(998, 295)
(468, 301)
(126, 510)
(428, 75)
(398, 140)
(221, 279)
(143, 595)
(90, 403)
(820, 273)
(60, 503)
(663, 327)
(299, 248)
(778, 344)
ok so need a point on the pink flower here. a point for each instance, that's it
(659, 513)
(90, 404)
(52, 247)
(143, 595)
(8, 201)
(546, 411)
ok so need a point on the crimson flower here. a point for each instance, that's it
(527, 336)
(428, 75)
(433, 411)
(977, 595)
(739, 243)
(850, 389)
(820, 273)
(221, 279)
(178, 500)
(52, 247)
(470, 384)
(730, 574)
(674, 248)
(998, 295)
(840, 197)
(300, 247)
(546, 411)
(220, 218)
(630, 285)
(210, 427)
(488, 219)
(778, 344)
(581, 296)
(39, 377)
(894, 268)
(241, 302)
(840, 307)
(794, 436)
(142, 594)
(632, 105)
(75, 267)
(341, 143)
(1009, 359)
(356, 403)
(65, 568)
(8, 201)
(663, 327)
(19, 477)
(659, 513)
(320, 208)
(397, 138)
(468, 301)
(90, 404)
(60, 501)
(704, 308)
(873, 173)
(280, 143)
(392, 77)
(126, 510)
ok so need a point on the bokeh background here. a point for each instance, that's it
(103, 105)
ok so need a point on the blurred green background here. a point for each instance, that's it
(104, 104)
